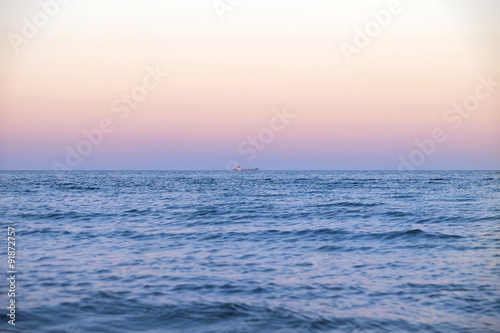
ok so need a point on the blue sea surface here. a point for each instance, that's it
(265, 251)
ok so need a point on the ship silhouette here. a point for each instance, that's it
(240, 169)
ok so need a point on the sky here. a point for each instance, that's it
(206, 85)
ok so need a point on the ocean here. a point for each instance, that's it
(265, 251)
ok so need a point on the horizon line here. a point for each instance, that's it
(49, 170)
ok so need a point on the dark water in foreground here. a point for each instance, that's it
(253, 251)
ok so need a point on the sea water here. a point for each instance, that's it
(265, 251)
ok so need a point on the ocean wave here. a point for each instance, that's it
(413, 233)
(103, 313)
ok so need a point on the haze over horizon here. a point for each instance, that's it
(231, 84)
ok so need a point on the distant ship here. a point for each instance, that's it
(240, 169)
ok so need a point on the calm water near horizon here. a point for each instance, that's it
(266, 251)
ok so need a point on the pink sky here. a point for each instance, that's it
(226, 77)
